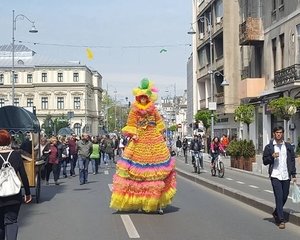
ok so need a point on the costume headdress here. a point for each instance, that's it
(146, 88)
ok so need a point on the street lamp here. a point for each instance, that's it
(14, 28)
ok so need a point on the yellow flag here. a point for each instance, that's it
(89, 54)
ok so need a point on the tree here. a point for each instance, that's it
(205, 117)
(173, 128)
(245, 114)
(284, 107)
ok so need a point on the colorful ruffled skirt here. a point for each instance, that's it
(145, 175)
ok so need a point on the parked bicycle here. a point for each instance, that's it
(198, 163)
(218, 166)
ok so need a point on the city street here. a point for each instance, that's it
(70, 211)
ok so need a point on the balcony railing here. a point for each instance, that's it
(287, 76)
(251, 31)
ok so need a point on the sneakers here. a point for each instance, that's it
(281, 225)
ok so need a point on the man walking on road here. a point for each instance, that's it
(280, 157)
(84, 147)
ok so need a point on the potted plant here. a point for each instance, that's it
(242, 153)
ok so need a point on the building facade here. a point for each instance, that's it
(53, 88)
(216, 55)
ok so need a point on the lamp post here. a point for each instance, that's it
(14, 28)
(212, 104)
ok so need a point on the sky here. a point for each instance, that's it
(125, 36)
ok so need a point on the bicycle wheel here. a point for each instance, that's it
(221, 170)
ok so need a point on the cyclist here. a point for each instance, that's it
(196, 146)
(215, 149)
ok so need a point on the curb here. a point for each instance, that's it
(248, 199)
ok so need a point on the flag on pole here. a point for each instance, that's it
(89, 54)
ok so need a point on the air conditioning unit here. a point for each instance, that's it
(219, 20)
(201, 36)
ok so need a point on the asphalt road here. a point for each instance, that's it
(73, 212)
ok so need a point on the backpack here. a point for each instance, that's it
(10, 184)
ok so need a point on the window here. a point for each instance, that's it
(29, 78)
(219, 8)
(1, 78)
(298, 43)
(274, 5)
(60, 103)
(281, 40)
(59, 77)
(44, 102)
(16, 101)
(44, 77)
(76, 102)
(29, 102)
(202, 57)
(75, 77)
(274, 54)
(15, 77)
(2, 102)
(77, 129)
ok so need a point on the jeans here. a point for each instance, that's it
(9, 222)
(83, 163)
(50, 167)
(281, 192)
(64, 166)
(95, 164)
(72, 160)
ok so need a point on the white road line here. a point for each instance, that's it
(130, 228)
(110, 186)
(106, 172)
(230, 179)
(269, 191)
(240, 182)
(253, 186)
(289, 197)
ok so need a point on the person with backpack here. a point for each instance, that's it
(10, 205)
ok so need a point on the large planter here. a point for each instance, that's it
(240, 163)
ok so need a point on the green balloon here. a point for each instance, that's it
(144, 83)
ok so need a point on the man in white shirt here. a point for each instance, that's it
(280, 157)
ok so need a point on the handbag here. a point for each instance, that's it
(295, 193)
(10, 183)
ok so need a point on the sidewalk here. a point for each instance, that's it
(253, 188)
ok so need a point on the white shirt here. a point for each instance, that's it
(280, 170)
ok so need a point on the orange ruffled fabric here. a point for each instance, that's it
(145, 178)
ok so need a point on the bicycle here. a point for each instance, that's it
(218, 166)
(198, 156)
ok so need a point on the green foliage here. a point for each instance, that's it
(284, 107)
(244, 148)
(205, 117)
(233, 149)
(244, 113)
(51, 127)
(173, 128)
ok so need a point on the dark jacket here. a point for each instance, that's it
(196, 145)
(17, 163)
(269, 160)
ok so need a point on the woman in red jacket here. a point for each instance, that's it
(10, 206)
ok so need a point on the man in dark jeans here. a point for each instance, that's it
(280, 157)
(196, 146)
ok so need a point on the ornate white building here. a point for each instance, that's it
(52, 87)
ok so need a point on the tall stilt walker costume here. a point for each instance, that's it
(145, 175)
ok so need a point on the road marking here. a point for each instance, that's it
(269, 191)
(130, 228)
(110, 187)
(240, 182)
(230, 179)
(253, 186)
(106, 172)
(289, 197)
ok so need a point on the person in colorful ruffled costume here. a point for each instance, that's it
(145, 177)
